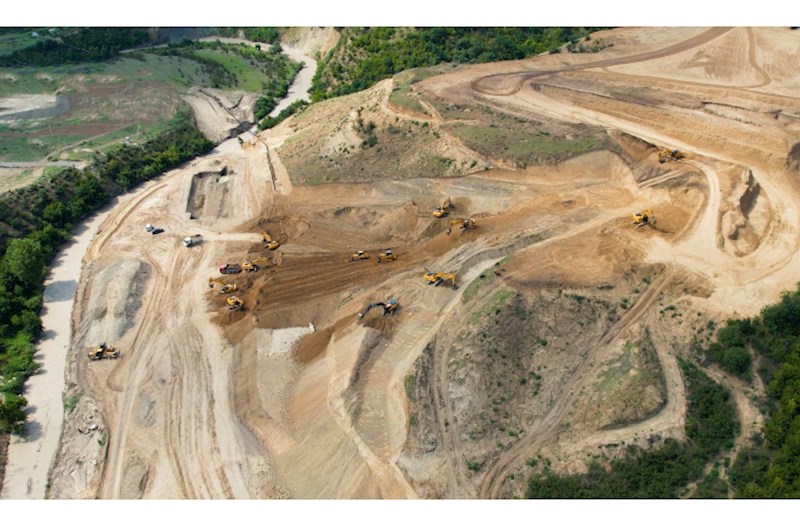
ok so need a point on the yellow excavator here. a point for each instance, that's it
(437, 278)
(357, 256)
(388, 307)
(221, 281)
(387, 255)
(645, 217)
(665, 154)
(463, 224)
(269, 242)
(253, 265)
(442, 209)
(103, 352)
(234, 303)
(228, 288)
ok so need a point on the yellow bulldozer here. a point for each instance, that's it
(645, 217)
(387, 255)
(234, 303)
(358, 256)
(388, 307)
(103, 352)
(665, 154)
(462, 224)
(437, 278)
(443, 209)
(269, 242)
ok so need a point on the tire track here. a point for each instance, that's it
(523, 76)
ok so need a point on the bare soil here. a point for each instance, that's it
(560, 343)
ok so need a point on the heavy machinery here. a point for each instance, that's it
(387, 255)
(388, 307)
(212, 280)
(269, 242)
(442, 209)
(463, 224)
(228, 288)
(645, 217)
(665, 154)
(192, 240)
(437, 278)
(357, 256)
(103, 352)
(254, 264)
(230, 268)
(234, 303)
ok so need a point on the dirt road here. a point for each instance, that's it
(30, 457)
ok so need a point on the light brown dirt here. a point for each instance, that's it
(207, 403)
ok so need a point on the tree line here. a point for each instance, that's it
(93, 44)
(366, 55)
(36, 220)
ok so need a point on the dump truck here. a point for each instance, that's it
(192, 240)
(230, 268)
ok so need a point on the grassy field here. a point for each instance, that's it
(24, 149)
(522, 147)
(13, 41)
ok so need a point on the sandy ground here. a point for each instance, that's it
(30, 457)
(210, 403)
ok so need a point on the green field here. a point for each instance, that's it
(521, 146)
(15, 40)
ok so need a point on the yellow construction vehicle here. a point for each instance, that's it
(234, 303)
(437, 278)
(387, 255)
(253, 265)
(665, 154)
(645, 217)
(463, 224)
(270, 243)
(213, 280)
(442, 209)
(228, 288)
(103, 351)
(388, 307)
(359, 256)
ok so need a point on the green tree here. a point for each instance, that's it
(24, 262)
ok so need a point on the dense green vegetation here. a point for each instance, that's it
(662, 473)
(269, 35)
(35, 220)
(82, 45)
(366, 55)
(771, 467)
(284, 114)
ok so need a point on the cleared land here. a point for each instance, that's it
(564, 309)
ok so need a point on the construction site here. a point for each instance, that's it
(510, 272)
